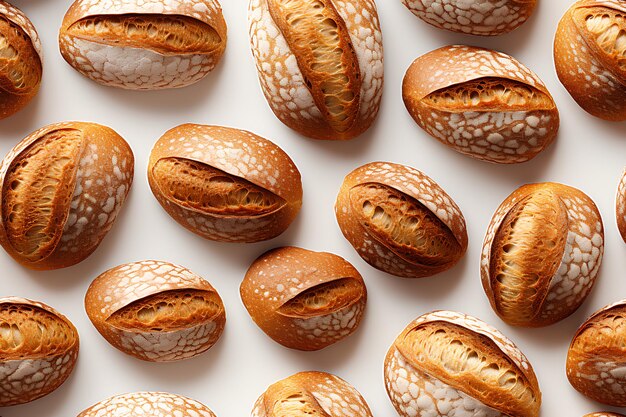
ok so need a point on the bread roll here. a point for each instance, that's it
(315, 394)
(38, 350)
(156, 311)
(303, 299)
(604, 414)
(596, 359)
(589, 56)
(542, 254)
(320, 63)
(621, 206)
(21, 61)
(484, 18)
(450, 364)
(143, 44)
(61, 189)
(400, 221)
(225, 184)
(144, 404)
(481, 103)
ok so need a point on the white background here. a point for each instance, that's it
(589, 154)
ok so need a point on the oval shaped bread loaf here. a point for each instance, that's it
(314, 394)
(596, 359)
(156, 311)
(143, 45)
(400, 221)
(225, 184)
(621, 206)
(542, 254)
(446, 363)
(589, 53)
(320, 63)
(481, 103)
(38, 350)
(303, 299)
(153, 404)
(21, 61)
(61, 189)
(484, 18)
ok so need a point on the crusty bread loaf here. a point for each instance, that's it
(589, 56)
(603, 414)
(481, 103)
(311, 394)
(143, 44)
(620, 206)
(61, 189)
(225, 184)
(542, 254)
(303, 299)
(38, 350)
(400, 221)
(320, 63)
(596, 359)
(156, 311)
(446, 363)
(21, 62)
(144, 404)
(484, 18)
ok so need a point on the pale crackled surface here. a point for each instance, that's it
(414, 184)
(620, 206)
(148, 404)
(578, 268)
(140, 68)
(282, 80)
(316, 394)
(29, 366)
(240, 154)
(507, 133)
(119, 287)
(482, 17)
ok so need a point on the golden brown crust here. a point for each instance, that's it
(155, 311)
(400, 221)
(444, 351)
(589, 56)
(620, 206)
(62, 188)
(36, 337)
(314, 394)
(153, 404)
(603, 414)
(319, 63)
(595, 359)
(225, 184)
(21, 65)
(484, 104)
(542, 254)
(303, 299)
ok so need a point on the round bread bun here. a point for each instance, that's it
(144, 404)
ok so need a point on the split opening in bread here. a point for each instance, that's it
(489, 94)
(37, 192)
(209, 190)
(324, 298)
(297, 404)
(604, 332)
(608, 28)
(19, 61)
(318, 38)
(166, 34)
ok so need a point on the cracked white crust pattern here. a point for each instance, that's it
(127, 283)
(476, 17)
(620, 206)
(582, 255)
(138, 68)
(598, 87)
(241, 154)
(496, 136)
(333, 395)
(282, 81)
(148, 404)
(103, 179)
(417, 394)
(16, 16)
(36, 375)
(408, 181)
